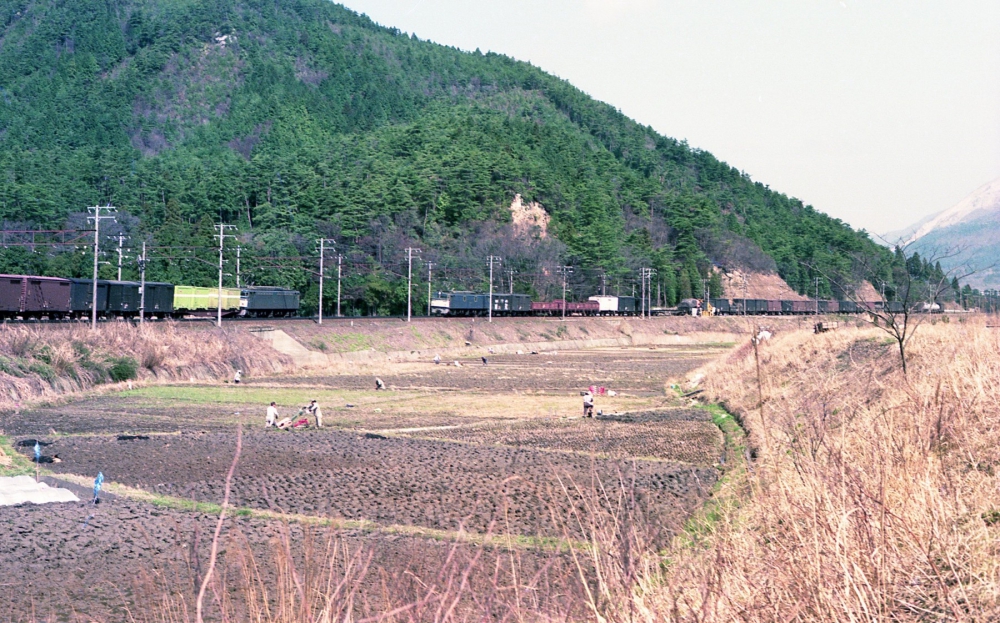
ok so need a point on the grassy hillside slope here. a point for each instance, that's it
(872, 494)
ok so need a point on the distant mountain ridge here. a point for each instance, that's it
(983, 202)
(965, 236)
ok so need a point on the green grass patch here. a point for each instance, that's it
(43, 370)
(344, 342)
(163, 395)
(725, 497)
(19, 464)
(122, 368)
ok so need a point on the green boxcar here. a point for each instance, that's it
(191, 299)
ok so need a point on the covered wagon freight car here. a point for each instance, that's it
(114, 298)
(34, 297)
(511, 304)
(123, 299)
(158, 301)
(81, 297)
(268, 301)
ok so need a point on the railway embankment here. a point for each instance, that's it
(47, 361)
(872, 495)
(374, 341)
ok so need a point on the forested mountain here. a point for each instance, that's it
(299, 119)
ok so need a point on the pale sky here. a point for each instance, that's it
(875, 112)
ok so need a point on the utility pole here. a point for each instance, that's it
(817, 295)
(142, 284)
(238, 249)
(409, 281)
(604, 284)
(222, 227)
(566, 272)
(646, 277)
(430, 265)
(339, 260)
(744, 294)
(644, 309)
(642, 292)
(322, 255)
(121, 237)
(489, 309)
(510, 275)
(649, 290)
(111, 211)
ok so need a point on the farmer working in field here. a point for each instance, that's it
(313, 409)
(588, 404)
(272, 415)
(379, 384)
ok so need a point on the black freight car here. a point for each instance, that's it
(721, 306)
(848, 307)
(81, 297)
(158, 299)
(627, 305)
(268, 301)
(123, 298)
(467, 304)
(511, 304)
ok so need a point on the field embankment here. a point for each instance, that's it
(39, 362)
(873, 495)
(364, 340)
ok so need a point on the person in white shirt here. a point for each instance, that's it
(588, 404)
(272, 415)
(313, 408)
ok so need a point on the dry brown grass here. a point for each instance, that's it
(47, 361)
(873, 496)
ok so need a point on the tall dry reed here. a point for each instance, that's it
(874, 495)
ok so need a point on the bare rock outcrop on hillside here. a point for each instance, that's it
(529, 219)
(755, 285)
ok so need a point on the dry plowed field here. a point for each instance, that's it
(485, 473)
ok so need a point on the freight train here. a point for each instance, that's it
(477, 304)
(31, 297)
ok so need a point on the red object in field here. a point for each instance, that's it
(299, 423)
